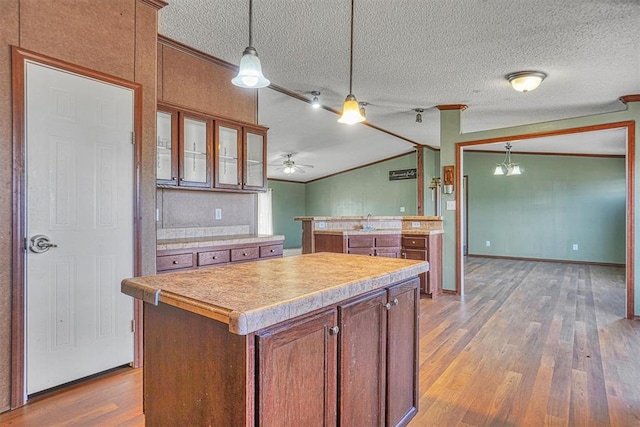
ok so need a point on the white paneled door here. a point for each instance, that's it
(79, 185)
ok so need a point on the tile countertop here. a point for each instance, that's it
(201, 242)
(416, 232)
(255, 295)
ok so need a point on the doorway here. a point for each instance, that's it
(625, 133)
(75, 222)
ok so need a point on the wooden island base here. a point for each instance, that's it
(351, 362)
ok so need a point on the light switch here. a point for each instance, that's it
(451, 205)
(322, 224)
(401, 208)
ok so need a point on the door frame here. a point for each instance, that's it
(19, 58)
(629, 126)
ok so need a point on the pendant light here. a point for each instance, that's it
(507, 167)
(351, 109)
(250, 72)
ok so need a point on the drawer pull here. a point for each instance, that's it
(413, 242)
(271, 251)
(175, 262)
(244, 254)
(214, 257)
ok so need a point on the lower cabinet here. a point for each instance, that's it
(426, 248)
(352, 364)
(355, 365)
(196, 257)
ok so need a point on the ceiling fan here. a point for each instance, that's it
(288, 166)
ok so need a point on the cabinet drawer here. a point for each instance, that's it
(361, 251)
(414, 242)
(361, 241)
(416, 254)
(270, 250)
(174, 262)
(388, 252)
(244, 254)
(213, 257)
(388, 241)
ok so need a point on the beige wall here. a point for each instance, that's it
(116, 37)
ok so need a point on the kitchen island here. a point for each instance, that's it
(319, 339)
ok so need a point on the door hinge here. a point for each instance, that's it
(133, 138)
(133, 325)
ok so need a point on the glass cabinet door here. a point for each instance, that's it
(195, 152)
(166, 147)
(254, 159)
(227, 155)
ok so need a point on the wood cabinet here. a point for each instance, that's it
(297, 370)
(350, 363)
(195, 150)
(386, 245)
(376, 369)
(426, 248)
(199, 257)
(183, 149)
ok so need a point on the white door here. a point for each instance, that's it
(79, 180)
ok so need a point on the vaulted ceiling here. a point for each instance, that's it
(418, 54)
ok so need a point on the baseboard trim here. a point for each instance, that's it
(449, 292)
(560, 261)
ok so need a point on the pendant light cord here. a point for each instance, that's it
(250, 21)
(351, 52)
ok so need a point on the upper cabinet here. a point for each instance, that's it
(195, 151)
(201, 151)
(167, 147)
(254, 155)
(228, 166)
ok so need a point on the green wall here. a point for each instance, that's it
(365, 190)
(558, 201)
(288, 201)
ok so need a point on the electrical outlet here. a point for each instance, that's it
(487, 243)
(575, 246)
(401, 208)
(322, 224)
(415, 224)
(451, 205)
(218, 213)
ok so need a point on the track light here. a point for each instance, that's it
(315, 102)
(419, 112)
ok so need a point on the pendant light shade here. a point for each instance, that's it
(250, 71)
(351, 109)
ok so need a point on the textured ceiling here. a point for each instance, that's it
(417, 53)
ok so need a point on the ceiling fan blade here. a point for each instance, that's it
(297, 168)
(304, 166)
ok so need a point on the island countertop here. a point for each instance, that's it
(255, 295)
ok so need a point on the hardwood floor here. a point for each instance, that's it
(530, 344)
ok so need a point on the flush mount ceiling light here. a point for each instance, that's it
(507, 167)
(419, 112)
(315, 102)
(250, 72)
(525, 81)
(351, 110)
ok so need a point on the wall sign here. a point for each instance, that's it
(403, 174)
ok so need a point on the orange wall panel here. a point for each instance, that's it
(95, 34)
(205, 86)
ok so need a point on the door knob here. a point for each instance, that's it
(40, 244)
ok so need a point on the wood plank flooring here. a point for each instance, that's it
(530, 344)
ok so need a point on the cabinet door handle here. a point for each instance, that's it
(334, 330)
(404, 255)
(388, 306)
(395, 301)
